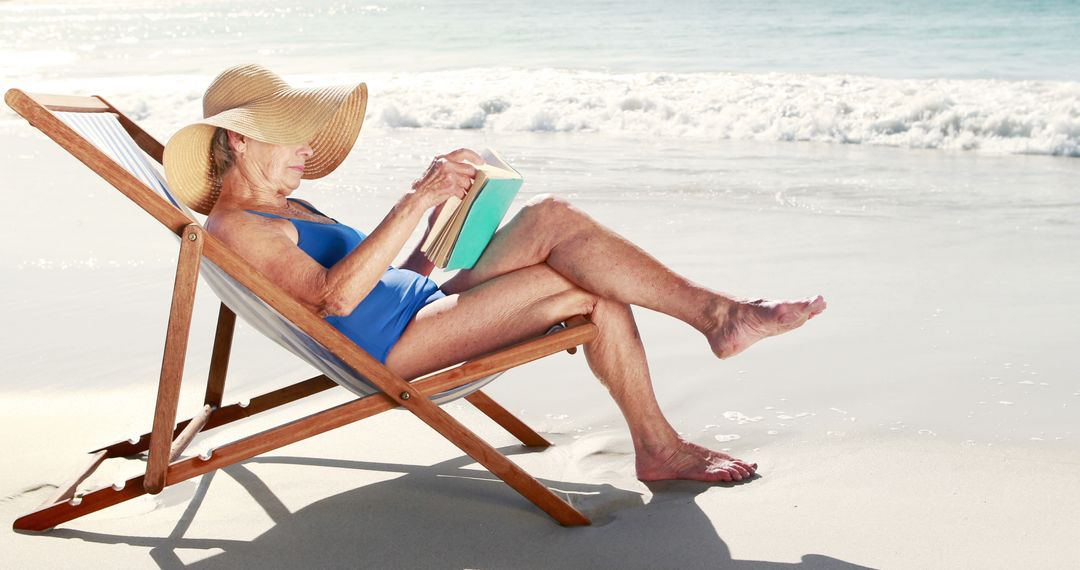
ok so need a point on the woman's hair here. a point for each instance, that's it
(221, 156)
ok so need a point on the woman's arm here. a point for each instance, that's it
(351, 279)
(270, 244)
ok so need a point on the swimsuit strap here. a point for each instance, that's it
(308, 205)
(266, 215)
(303, 203)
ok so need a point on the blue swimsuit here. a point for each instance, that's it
(380, 319)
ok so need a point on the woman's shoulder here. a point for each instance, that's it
(233, 225)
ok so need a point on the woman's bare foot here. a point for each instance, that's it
(745, 323)
(692, 462)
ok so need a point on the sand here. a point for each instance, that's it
(388, 492)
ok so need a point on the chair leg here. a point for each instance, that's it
(219, 359)
(172, 362)
(508, 421)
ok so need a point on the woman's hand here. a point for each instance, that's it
(448, 175)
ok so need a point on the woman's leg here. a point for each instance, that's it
(499, 312)
(594, 258)
(523, 303)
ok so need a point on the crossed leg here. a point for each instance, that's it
(551, 262)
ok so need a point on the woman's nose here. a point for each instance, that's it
(306, 151)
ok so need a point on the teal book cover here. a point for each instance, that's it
(482, 220)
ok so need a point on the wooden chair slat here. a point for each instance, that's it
(70, 103)
(66, 491)
(194, 426)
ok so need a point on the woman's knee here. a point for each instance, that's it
(552, 220)
(574, 302)
(605, 308)
(552, 210)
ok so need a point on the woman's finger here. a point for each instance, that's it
(460, 168)
(430, 173)
(464, 154)
(458, 182)
(443, 181)
(446, 178)
(443, 164)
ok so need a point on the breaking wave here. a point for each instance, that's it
(1013, 117)
(991, 116)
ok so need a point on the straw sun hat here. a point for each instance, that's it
(255, 102)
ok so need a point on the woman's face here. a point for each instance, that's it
(277, 168)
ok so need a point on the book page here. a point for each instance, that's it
(445, 215)
(444, 232)
(495, 166)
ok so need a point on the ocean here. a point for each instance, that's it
(998, 77)
(1003, 39)
(912, 161)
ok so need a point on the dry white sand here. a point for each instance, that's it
(388, 492)
(909, 433)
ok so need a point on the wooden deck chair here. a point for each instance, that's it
(114, 147)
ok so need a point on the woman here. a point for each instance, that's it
(551, 261)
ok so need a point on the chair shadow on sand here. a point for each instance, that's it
(388, 525)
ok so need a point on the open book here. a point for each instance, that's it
(465, 226)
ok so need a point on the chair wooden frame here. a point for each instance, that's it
(167, 440)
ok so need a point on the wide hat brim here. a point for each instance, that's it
(327, 118)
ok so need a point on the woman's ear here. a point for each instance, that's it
(237, 141)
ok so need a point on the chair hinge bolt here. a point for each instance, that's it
(192, 236)
(405, 396)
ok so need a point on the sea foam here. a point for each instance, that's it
(1028, 117)
(991, 116)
